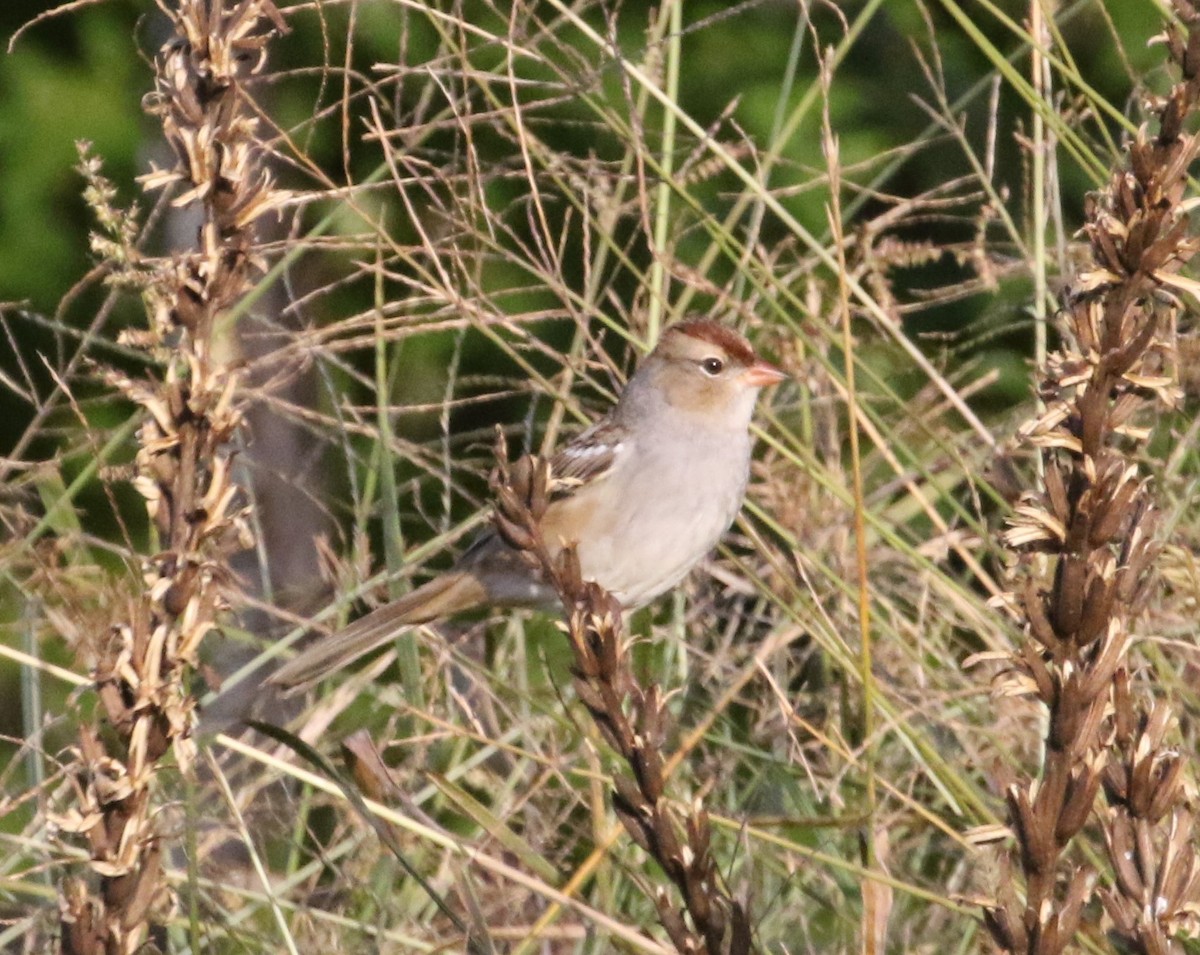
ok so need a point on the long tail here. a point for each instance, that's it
(448, 594)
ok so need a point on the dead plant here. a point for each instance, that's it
(632, 718)
(191, 412)
(1086, 550)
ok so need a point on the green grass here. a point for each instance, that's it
(546, 207)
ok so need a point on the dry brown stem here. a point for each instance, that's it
(1086, 552)
(183, 471)
(632, 718)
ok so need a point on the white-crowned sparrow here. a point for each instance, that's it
(651, 487)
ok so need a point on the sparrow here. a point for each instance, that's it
(649, 490)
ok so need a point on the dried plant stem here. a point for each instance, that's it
(183, 465)
(1086, 549)
(632, 718)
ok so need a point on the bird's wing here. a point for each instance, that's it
(588, 458)
(582, 462)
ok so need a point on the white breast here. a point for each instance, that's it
(657, 516)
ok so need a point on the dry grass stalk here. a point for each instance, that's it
(183, 471)
(632, 718)
(1086, 552)
(1148, 832)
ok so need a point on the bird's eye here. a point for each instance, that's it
(712, 366)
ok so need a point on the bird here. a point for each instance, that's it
(649, 490)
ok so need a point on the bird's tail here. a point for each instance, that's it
(447, 594)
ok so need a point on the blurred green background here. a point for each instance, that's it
(82, 76)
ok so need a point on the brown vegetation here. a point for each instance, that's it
(1088, 549)
(787, 755)
(144, 665)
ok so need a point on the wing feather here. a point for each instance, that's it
(586, 459)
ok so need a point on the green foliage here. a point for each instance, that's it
(502, 255)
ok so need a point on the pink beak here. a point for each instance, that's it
(763, 373)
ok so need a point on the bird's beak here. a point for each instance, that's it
(763, 373)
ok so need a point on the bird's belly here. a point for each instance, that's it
(640, 546)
